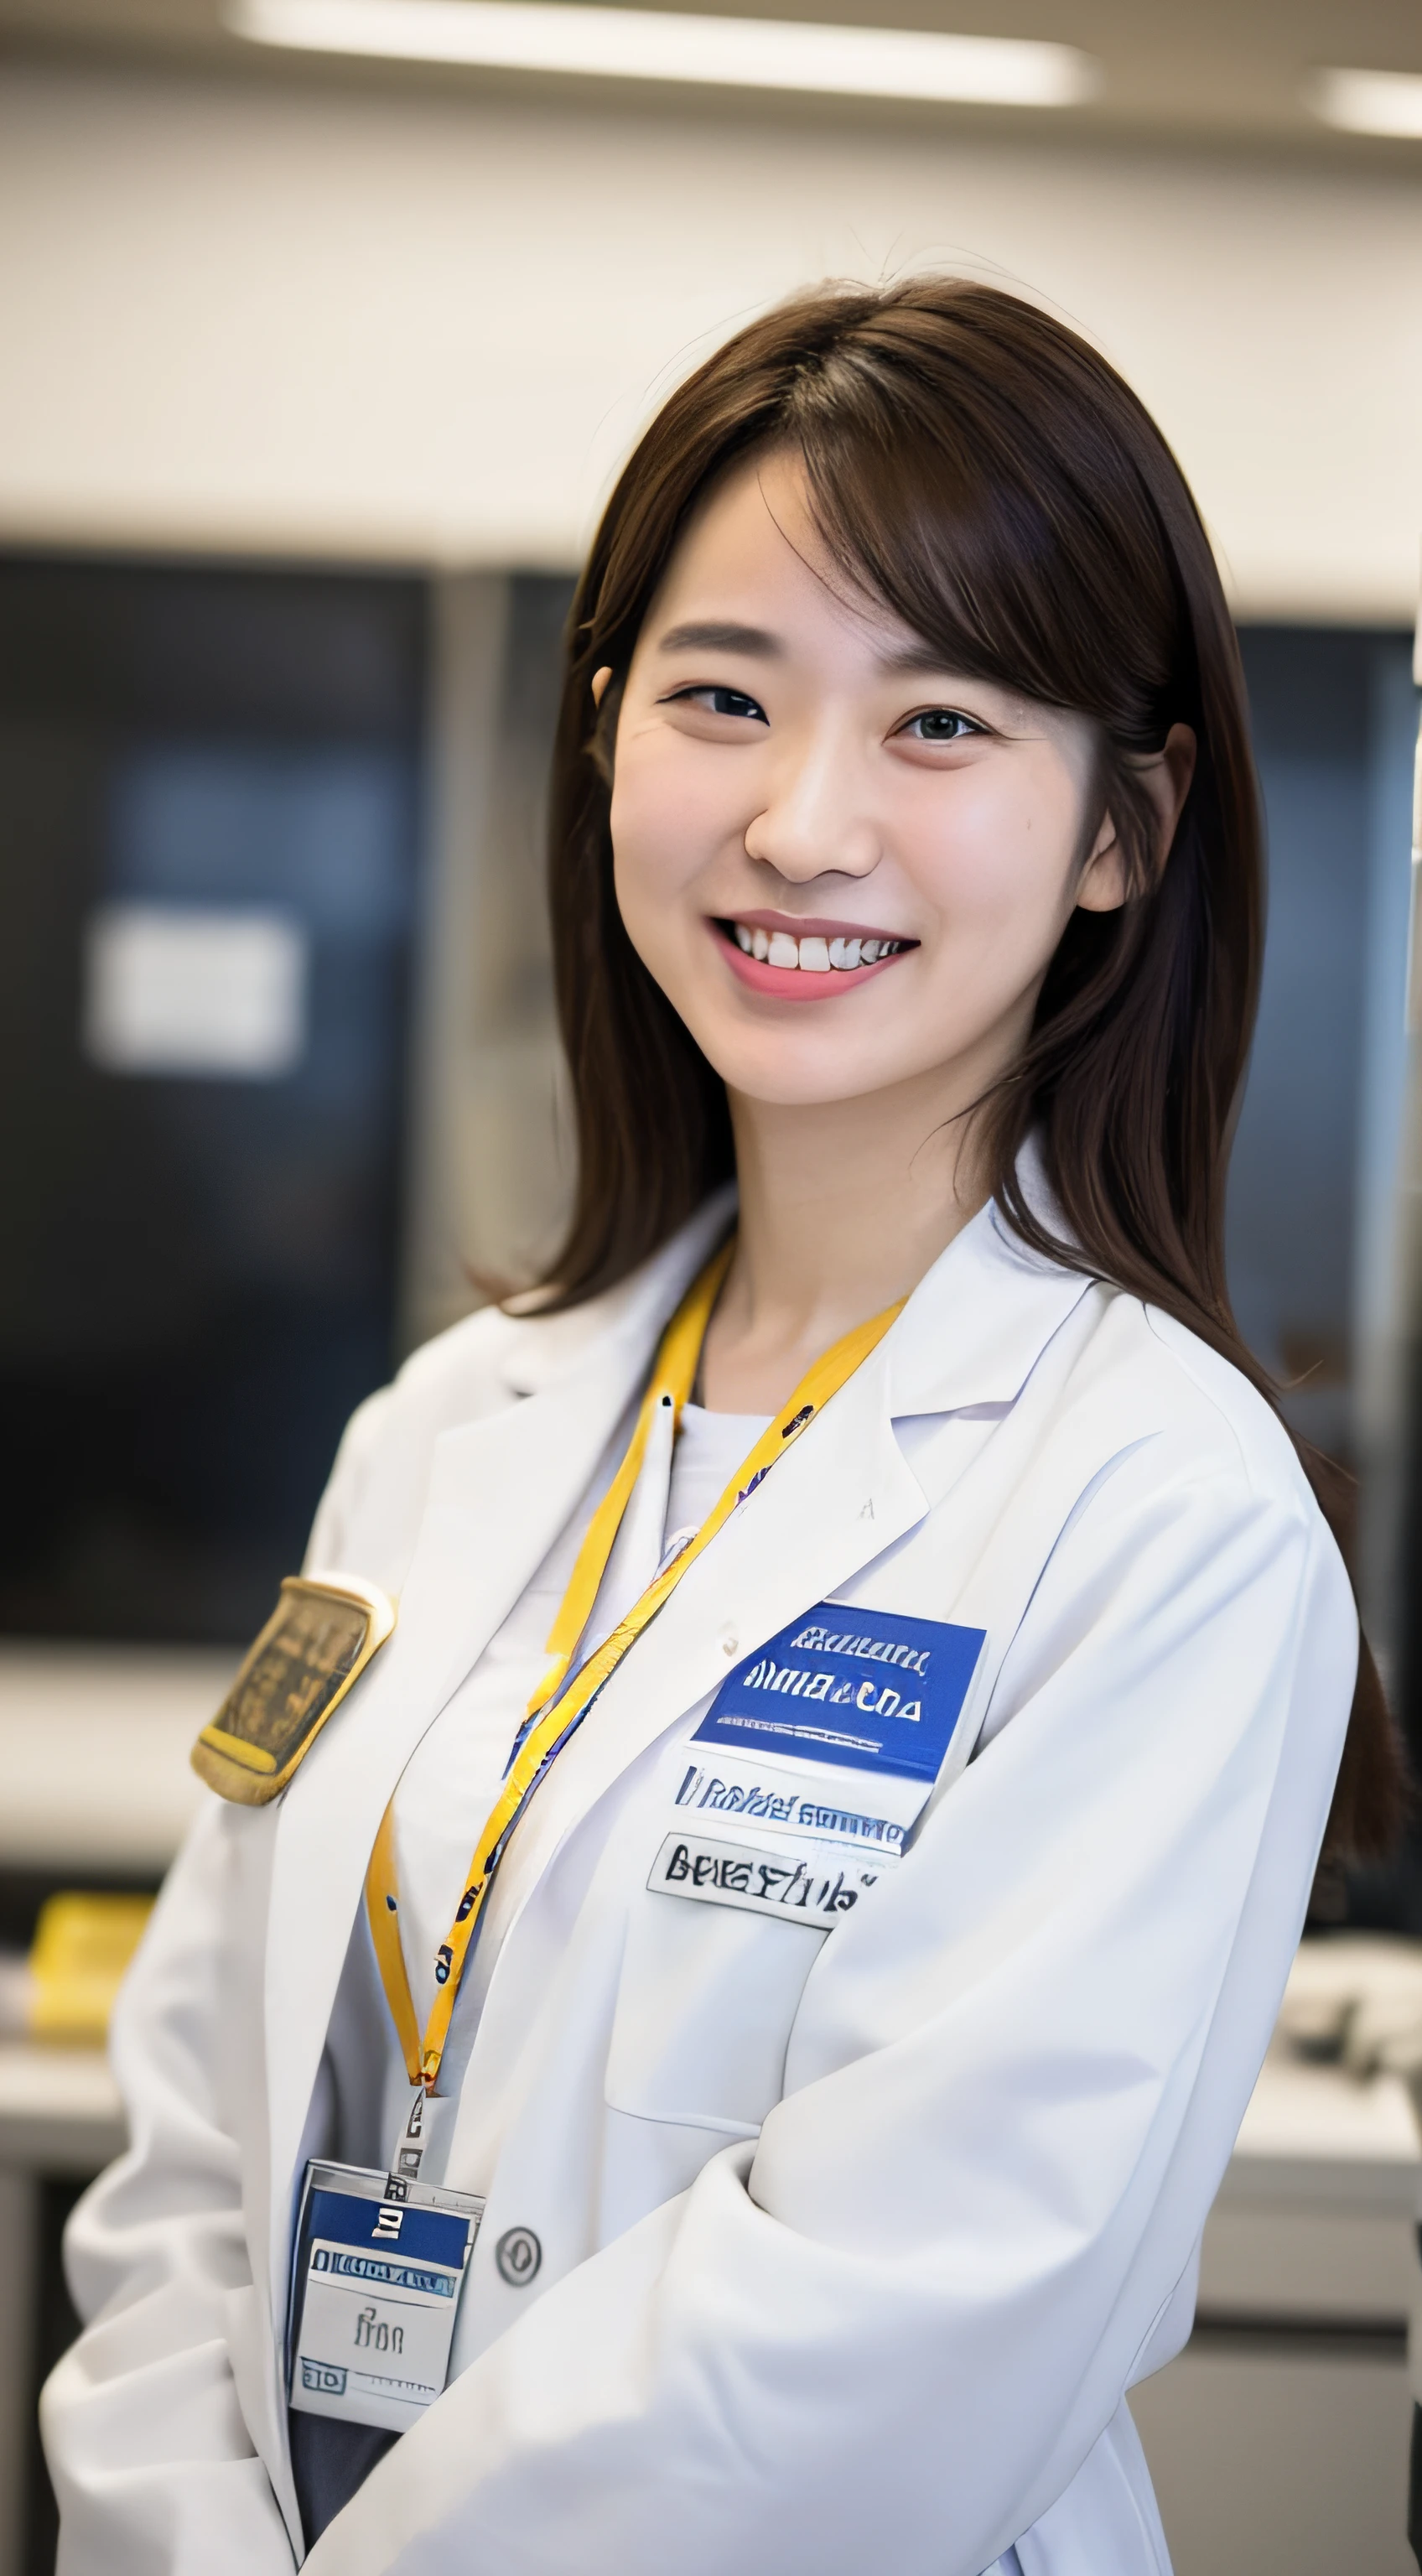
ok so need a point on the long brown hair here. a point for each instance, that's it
(979, 469)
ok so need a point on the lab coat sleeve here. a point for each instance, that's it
(348, 1483)
(150, 2455)
(151, 2459)
(147, 2445)
(891, 2334)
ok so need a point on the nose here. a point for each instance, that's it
(817, 819)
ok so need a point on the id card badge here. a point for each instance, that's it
(375, 2293)
(805, 1779)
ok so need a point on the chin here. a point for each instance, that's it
(796, 1077)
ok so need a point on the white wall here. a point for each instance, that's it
(336, 322)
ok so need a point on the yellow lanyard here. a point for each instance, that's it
(554, 1712)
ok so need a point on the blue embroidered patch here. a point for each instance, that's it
(868, 1689)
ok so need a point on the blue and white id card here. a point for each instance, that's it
(374, 2294)
(804, 1780)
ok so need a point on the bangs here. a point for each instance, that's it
(1010, 553)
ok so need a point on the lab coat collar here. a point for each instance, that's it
(968, 1336)
(978, 1321)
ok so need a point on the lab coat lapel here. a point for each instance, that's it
(500, 1490)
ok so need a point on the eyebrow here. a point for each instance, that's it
(714, 638)
(917, 657)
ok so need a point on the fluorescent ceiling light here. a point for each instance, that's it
(671, 45)
(1369, 102)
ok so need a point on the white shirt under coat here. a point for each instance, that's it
(852, 2243)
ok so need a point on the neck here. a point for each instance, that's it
(843, 1207)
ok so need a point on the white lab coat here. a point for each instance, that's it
(851, 2244)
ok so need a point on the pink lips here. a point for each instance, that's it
(792, 983)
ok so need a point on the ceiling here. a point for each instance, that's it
(1228, 71)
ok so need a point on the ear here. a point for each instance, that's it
(1166, 777)
(599, 683)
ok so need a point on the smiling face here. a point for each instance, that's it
(847, 867)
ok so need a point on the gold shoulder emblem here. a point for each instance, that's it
(317, 1642)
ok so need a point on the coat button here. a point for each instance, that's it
(518, 2255)
(730, 1642)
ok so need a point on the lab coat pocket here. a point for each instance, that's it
(705, 2004)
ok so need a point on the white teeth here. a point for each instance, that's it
(811, 955)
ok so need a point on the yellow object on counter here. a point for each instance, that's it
(81, 1948)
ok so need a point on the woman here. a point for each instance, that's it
(872, 1937)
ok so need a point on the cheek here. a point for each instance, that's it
(658, 829)
(998, 857)
(641, 875)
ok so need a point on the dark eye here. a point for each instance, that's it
(940, 724)
(724, 702)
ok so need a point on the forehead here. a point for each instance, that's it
(751, 555)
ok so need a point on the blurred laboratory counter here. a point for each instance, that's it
(94, 1744)
(1278, 2440)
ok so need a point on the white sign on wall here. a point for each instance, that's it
(182, 990)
